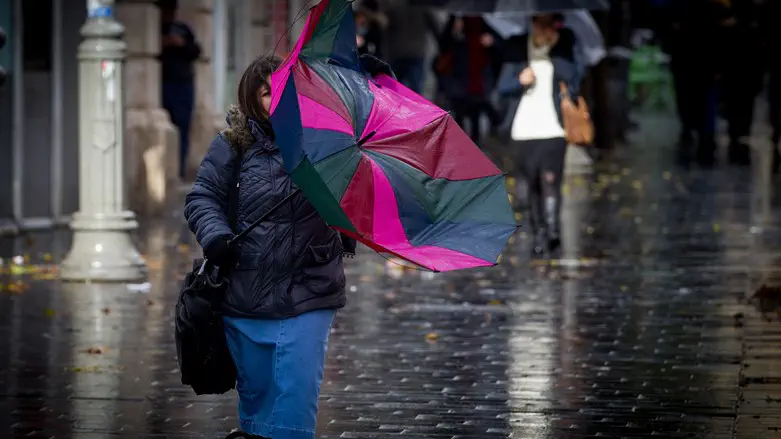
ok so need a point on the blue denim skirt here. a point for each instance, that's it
(280, 367)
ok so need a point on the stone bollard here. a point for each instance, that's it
(102, 248)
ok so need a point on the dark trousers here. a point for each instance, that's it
(542, 165)
(472, 110)
(179, 101)
(775, 100)
(540, 158)
(694, 83)
(741, 82)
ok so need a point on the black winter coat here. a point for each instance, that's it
(288, 265)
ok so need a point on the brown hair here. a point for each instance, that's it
(256, 76)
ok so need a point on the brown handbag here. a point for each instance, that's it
(577, 120)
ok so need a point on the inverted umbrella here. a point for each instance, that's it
(524, 6)
(380, 163)
(580, 21)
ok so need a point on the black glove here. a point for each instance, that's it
(349, 246)
(220, 253)
(375, 66)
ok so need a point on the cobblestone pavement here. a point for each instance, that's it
(641, 330)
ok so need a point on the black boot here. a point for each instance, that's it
(706, 150)
(739, 152)
(539, 234)
(553, 221)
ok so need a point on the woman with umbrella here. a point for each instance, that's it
(538, 64)
(286, 276)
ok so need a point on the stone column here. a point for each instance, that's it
(151, 140)
(102, 248)
(207, 121)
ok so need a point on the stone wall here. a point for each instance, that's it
(151, 140)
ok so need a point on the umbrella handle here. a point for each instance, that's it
(366, 138)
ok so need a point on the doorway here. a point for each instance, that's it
(38, 114)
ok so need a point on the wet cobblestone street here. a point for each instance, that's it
(643, 329)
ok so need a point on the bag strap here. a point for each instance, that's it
(233, 203)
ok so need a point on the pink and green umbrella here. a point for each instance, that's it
(380, 163)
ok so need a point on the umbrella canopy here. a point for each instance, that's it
(580, 21)
(380, 163)
(523, 6)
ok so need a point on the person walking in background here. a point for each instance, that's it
(770, 28)
(408, 29)
(536, 65)
(465, 71)
(742, 72)
(179, 52)
(693, 50)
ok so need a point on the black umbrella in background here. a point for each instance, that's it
(513, 6)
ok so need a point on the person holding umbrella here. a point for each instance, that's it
(286, 276)
(538, 65)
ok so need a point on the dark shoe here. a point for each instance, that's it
(552, 221)
(686, 139)
(706, 152)
(540, 243)
(739, 153)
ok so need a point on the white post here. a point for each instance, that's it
(102, 248)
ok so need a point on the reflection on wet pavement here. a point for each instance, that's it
(641, 330)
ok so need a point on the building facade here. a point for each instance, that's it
(39, 102)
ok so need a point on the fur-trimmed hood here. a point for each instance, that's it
(244, 132)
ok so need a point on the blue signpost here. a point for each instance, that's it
(98, 9)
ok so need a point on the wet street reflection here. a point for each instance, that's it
(642, 329)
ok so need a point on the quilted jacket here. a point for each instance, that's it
(288, 265)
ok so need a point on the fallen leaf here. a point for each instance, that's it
(17, 287)
(97, 350)
(106, 310)
(50, 312)
(432, 336)
(495, 302)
